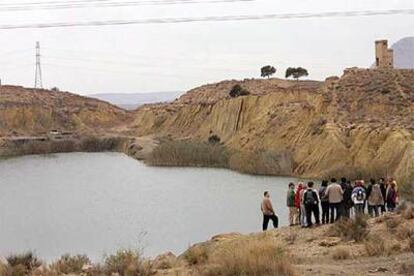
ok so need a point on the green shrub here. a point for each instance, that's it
(237, 91)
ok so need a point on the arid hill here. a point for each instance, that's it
(25, 112)
(359, 125)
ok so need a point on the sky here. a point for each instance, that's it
(181, 56)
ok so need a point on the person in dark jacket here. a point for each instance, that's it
(324, 201)
(347, 201)
(383, 192)
(311, 202)
(391, 197)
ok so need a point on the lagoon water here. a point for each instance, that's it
(97, 203)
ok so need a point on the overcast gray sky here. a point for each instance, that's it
(170, 57)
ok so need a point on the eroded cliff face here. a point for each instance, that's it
(27, 112)
(358, 125)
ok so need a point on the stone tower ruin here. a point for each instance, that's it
(384, 57)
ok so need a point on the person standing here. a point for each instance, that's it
(384, 193)
(299, 205)
(268, 212)
(311, 202)
(391, 197)
(324, 201)
(290, 202)
(358, 198)
(347, 201)
(334, 193)
(375, 199)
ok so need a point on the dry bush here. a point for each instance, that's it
(341, 253)
(406, 269)
(99, 144)
(127, 263)
(188, 153)
(392, 223)
(349, 229)
(251, 257)
(196, 255)
(411, 244)
(23, 262)
(404, 232)
(70, 264)
(375, 246)
(291, 237)
(407, 188)
(262, 162)
(408, 213)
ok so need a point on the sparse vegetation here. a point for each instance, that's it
(350, 229)
(22, 264)
(392, 223)
(214, 139)
(189, 153)
(196, 255)
(238, 91)
(375, 246)
(251, 257)
(404, 232)
(70, 264)
(408, 213)
(128, 263)
(341, 253)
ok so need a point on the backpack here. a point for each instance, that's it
(360, 195)
(310, 197)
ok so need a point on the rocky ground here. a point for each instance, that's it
(386, 248)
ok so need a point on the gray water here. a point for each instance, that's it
(97, 203)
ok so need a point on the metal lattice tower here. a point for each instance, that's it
(38, 73)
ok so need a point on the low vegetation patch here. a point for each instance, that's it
(70, 264)
(375, 246)
(127, 262)
(341, 253)
(350, 229)
(196, 255)
(251, 257)
(408, 213)
(237, 91)
(189, 153)
(392, 223)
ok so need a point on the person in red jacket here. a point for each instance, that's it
(298, 203)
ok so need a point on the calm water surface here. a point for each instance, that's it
(96, 203)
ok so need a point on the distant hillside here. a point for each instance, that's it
(25, 111)
(404, 53)
(133, 100)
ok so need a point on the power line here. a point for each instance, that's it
(208, 19)
(92, 4)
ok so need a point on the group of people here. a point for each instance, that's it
(333, 200)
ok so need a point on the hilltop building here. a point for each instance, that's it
(384, 57)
